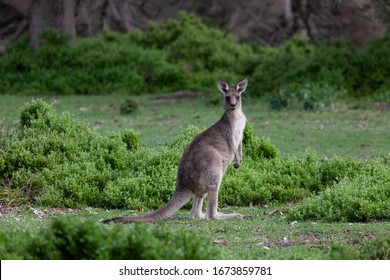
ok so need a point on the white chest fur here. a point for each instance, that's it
(238, 128)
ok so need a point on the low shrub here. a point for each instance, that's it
(182, 54)
(109, 63)
(359, 195)
(57, 161)
(377, 249)
(298, 62)
(368, 73)
(314, 74)
(277, 180)
(71, 238)
(185, 136)
(257, 148)
(148, 183)
(128, 106)
(308, 97)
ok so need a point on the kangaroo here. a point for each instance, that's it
(204, 162)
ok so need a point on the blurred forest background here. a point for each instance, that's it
(266, 21)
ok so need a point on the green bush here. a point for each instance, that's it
(335, 170)
(377, 249)
(183, 139)
(257, 148)
(57, 161)
(308, 96)
(109, 63)
(149, 182)
(128, 106)
(187, 54)
(276, 180)
(360, 194)
(33, 111)
(70, 238)
(368, 73)
(300, 62)
(206, 53)
(183, 54)
(189, 40)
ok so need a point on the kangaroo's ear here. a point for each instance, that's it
(223, 87)
(241, 86)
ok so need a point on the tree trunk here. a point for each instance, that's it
(288, 15)
(59, 15)
(21, 6)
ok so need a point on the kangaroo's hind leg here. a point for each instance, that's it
(196, 212)
(212, 202)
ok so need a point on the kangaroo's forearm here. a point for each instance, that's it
(234, 150)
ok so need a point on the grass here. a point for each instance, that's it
(266, 234)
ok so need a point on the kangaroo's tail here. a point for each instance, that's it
(177, 201)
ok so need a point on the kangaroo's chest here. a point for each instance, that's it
(238, 129)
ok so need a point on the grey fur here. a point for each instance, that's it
(204, 162)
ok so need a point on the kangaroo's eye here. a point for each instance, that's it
(227, 98)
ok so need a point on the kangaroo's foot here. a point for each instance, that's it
(222, 216)
(198, 216)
